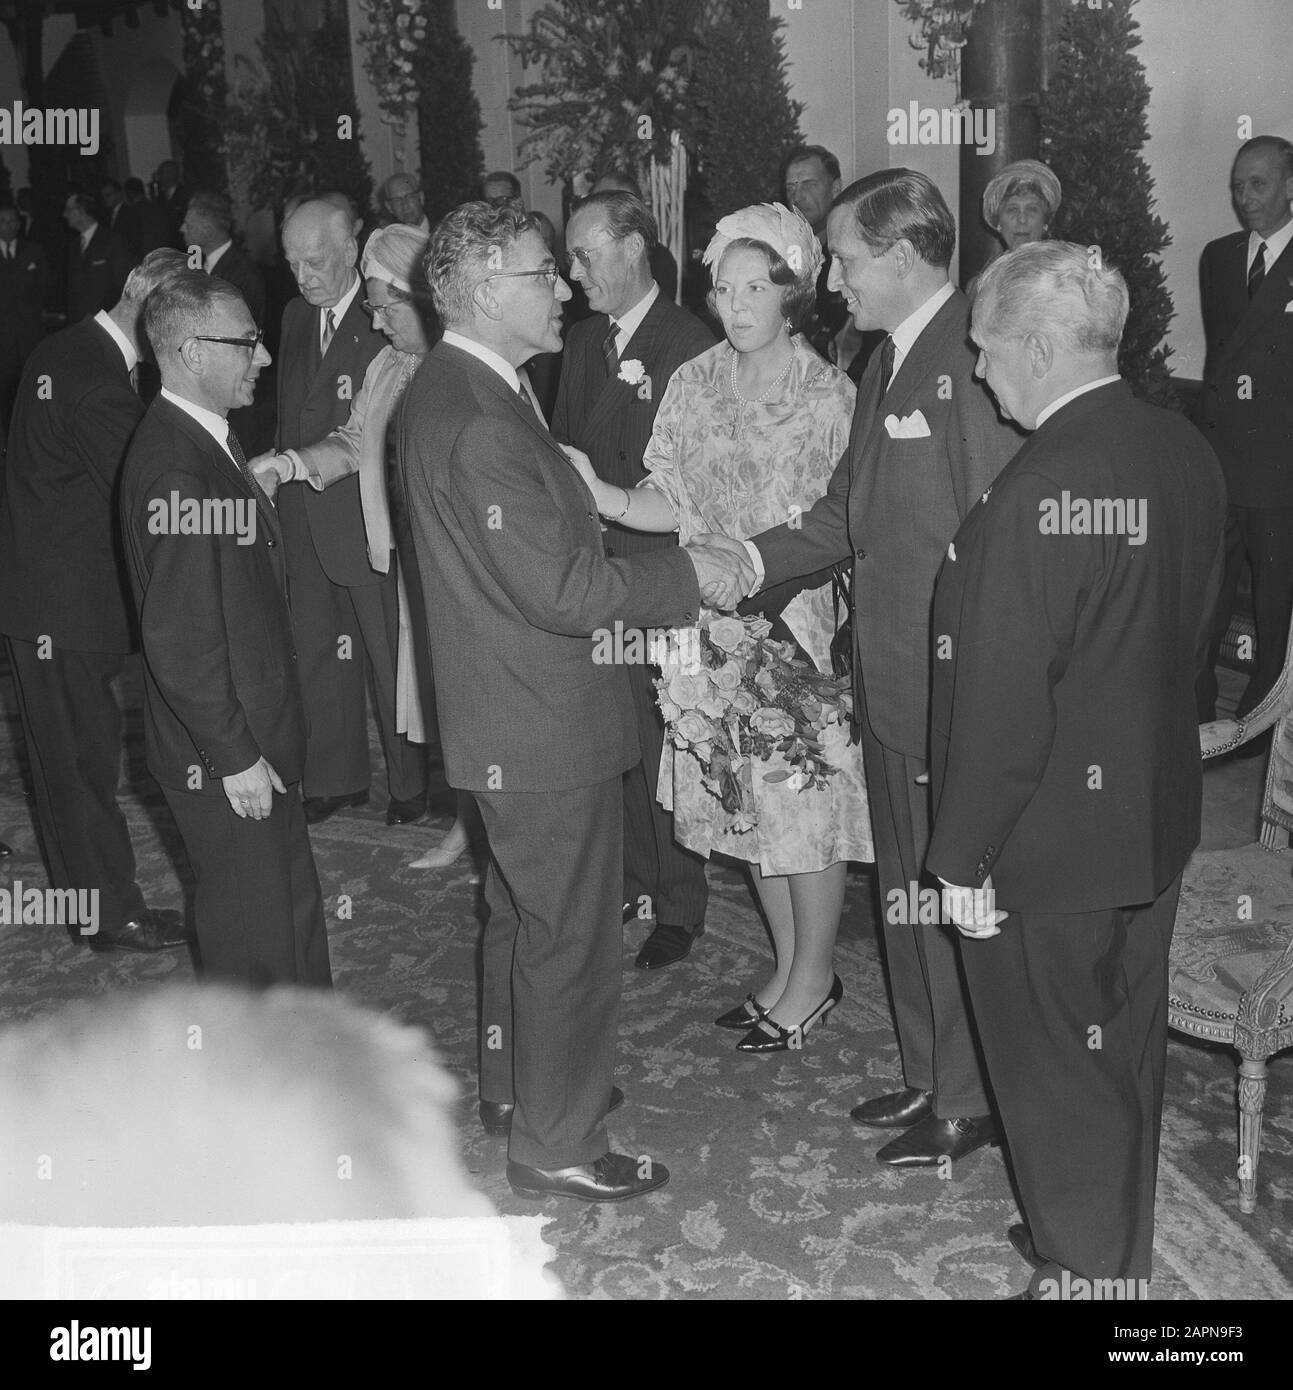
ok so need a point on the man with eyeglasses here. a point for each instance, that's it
(516, 583)
(65, 605)
(609, 412)
(346, 612)
(224, 721)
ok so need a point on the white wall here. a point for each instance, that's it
(1204, 75)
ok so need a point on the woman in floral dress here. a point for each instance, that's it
(747, 436)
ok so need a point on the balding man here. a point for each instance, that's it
(1246, 283)
(1068, 621)
(224, 723)
(346, 612)
(65, 605)
(403, 201)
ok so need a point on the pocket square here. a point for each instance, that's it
(913, 426)
(1288, 308)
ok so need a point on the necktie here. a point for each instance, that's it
(887, 353)
(610, 352)
(235, 448)
(329, 328)
(1257, 271)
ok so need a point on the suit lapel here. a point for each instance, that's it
(640, 347)
(1275, 291)
(500, 394)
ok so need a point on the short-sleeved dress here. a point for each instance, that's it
(739, 469)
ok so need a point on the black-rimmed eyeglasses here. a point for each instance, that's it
(372, 310)
(252, 343)
(550, 273)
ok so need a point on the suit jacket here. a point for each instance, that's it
(220, 677)
(893, 504)
(238, 268)
(1246, 412)
(22, 298)
(314, 397)
(95, 276)
(515, 581)
(61, 568)
(610, 420)
(1064, 735)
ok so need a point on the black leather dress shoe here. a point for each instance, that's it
(1022, 1239)
(927, 1144)
(319, 808)
(5, 850)
(496, 1115)
(406, 812)
(611, 1178)
(155, 929)
(898, 1110)
(666, 945)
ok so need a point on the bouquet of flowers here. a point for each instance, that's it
(730, 695)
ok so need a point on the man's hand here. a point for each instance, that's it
(251, 792)
(974, 910)
(270, 469)
(724, 570)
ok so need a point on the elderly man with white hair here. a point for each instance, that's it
(1067, 624)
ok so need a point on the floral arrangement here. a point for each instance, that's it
(395, 34)
(943, 26)
(731, 696)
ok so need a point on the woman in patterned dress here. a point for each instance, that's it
(747, 436)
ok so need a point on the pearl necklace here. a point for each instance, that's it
(772, 385)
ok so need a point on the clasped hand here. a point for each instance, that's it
(974, 910)
(724, 570)
(270, 469)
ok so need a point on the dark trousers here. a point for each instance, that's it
(258, 909)
(551, 979)
(656, 867)
(72, 726)
(930, 1007)
(1264, 536)
(334, 679)
(1072, 1011)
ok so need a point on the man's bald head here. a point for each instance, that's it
(401, 196)
(320, 247)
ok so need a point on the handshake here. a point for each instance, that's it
(724, 570)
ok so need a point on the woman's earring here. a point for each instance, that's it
(790, 327)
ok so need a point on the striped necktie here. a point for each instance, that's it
(329, 328)
(610, 350)
(235, 448)
(1257, 271)
(887, 353)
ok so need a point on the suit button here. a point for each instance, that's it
(270, 541)
(860, 554)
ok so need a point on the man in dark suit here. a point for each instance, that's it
(926, 441)
(609, 240)
(346, 613)
(171, 197)
(113, 204)
(97, 261)
(224, 723)
(208, 228)
(1246, 286)
(1068, 622)
(65, 607)
(515, 579)
(23, 275)
(143, 224)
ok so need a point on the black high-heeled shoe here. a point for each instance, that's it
(747, 1012)
(758, 1039)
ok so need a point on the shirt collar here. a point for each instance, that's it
(1275, 244)
(486, 355)
(215, 425)
(216, 254)
(127, 348)
(342, 306)
(1068, 396)
(628, 324)
(905, 335)
(87, 236)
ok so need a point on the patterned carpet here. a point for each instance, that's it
(775, 1194)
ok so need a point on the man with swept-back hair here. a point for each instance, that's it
(224, 724)
(1068, 621)
(516, 582)
(1246, 413)
(926, 443)
(65, 606)
(609, 242)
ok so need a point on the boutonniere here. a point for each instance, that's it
(632, 371)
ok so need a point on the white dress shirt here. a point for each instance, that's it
(215, 425)
(104, 320)
(486, 355)
(209, 262)
(1275, 244)
(338, 310)
(1068, 396)
(628, 324)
